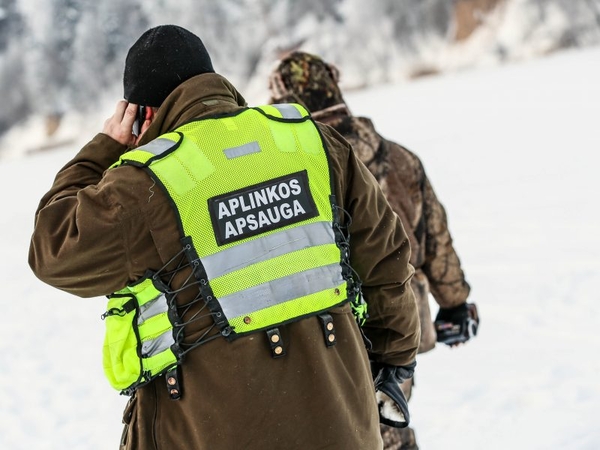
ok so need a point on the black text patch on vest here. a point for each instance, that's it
(262, 207)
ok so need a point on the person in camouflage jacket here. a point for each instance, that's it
(307, 79)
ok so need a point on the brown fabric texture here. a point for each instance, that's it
(98, 230)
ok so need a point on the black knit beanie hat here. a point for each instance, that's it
(160, 60)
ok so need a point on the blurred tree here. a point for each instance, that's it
(104, 34)
(584, 20)
(11, 23)
(15, 105)
(69, 52)
(52, 55)
(414, 20)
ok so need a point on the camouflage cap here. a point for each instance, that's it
(307, 77)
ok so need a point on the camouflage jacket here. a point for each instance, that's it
(402, 178)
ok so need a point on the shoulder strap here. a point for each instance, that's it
(144, 155)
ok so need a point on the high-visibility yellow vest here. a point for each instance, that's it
(253, 195)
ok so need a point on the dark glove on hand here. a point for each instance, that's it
(393, 407)
(457, 325)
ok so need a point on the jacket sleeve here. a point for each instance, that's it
(442, 265)
(379, 253)
(77, 241)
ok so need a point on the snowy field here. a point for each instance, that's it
(512, 152)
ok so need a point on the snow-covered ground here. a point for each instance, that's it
(512, 152)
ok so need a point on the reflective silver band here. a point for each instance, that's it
(158, 146)
(157, 345)
(152, 308)
(271, 246)
(288, 111)
(281, 290)
(242, 150)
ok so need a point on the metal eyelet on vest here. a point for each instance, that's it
(226, 331)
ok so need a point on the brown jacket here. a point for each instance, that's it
(97, 230)
(407, 188)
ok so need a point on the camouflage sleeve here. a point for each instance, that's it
(442, 265)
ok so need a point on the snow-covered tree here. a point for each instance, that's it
(105, 32)
(50, 58)
(15, 103)
(11, 23)
(59, 54)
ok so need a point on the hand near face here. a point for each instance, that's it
(119, 125)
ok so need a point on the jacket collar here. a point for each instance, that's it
(202, 95)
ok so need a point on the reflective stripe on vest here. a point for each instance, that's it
(288, 111)
(258, 250)
(253, 193)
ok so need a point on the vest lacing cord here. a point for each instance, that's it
(189, 282)
(357, 302)
(172, 378)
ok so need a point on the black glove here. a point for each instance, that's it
(457, 325)
(393, 407)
